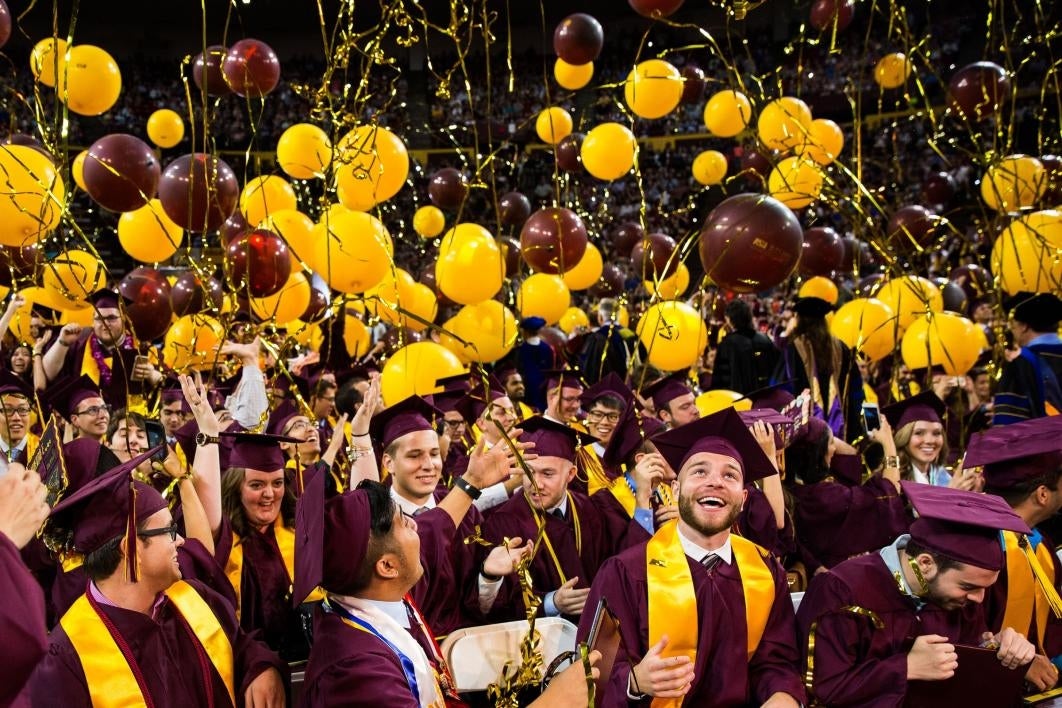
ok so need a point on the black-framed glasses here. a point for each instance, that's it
(162, 531)
(598, 416)
(21, 411)
(94, 410)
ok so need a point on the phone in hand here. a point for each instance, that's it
(138, 361)
(871, 417)
(156, 436)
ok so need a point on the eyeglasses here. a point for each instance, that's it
(453, 423)
(501, 410)
(21, 411)
(171, 530)
(299, 425)
(94, 410)
(598, 416)
(109, 319)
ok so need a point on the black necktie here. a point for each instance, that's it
(710, 560)
(558, 513)
(420, 511)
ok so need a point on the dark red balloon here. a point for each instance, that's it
(823, 252)
(693, 86)
(825, 12)
(912, 227)
(755, 167)
(17, 263)
(553, 240)
(973, 279)
(1053, 165)
(750, 243)
(233, 227)
(626, 236)
(611, 282)
(147, 308)
(938, 188)
(188, 294)
(568, 153)
(651, 257)
(510, 250)
(5, 23)
(317, 307)
(198, 191)
(258, 262)
(513, 209)
(251, 68)
(448, 188)
(869, 285)
(578, 39)
(28, 141)
(555, 337)
(206, 70)
(955, 299)
(979, 90)
(121, 172)
(856, 254)
(656, 8)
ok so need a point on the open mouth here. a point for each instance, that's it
(712, 502)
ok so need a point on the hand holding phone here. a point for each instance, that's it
(871, 418)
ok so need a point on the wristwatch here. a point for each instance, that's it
(202, 439)
(465, 486)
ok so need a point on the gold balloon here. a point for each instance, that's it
(608, 151)
(820, 287)
(941, 339)
(77, 169)
(653, 88)
(429, 221)
(867, 325)
(709, 167)
(892, 70)
(587, 271)
(356, 337)
(824, 141)
(31, 195)
(48, 59)
(553, 125)
(352, 251)
(489, 330)
(414, 369)
(165, 128)
(288, 303)
(727, 113)
(295, 228)
(719, 399)
(910, 296)
(572, 319)
(1027, 256)
(304, 151)
(148, 234)
(674, 334)
(1014, 183)
(671, 287)
(795, 182)
(470, 268)
(74, 275)
(543, 295)
(372, 165)
(265, 195)
(572, 76)
(90, 81)
(784, 123)
(192, 342)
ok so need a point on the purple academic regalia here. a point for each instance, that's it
(22, 625)
(617, 526)
(121, 384)
(757, 524)
(835, 521)
(515, 518)
(165, 653)
(996, 606)
(856, 664)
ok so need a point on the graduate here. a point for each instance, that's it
(79, 402)
(603, 403)
(673, 400)
(139, 634)
(876, 622)
(490, 415)
(763, 518)
(17, 443)
(920, 444)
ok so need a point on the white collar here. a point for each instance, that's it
(563, 506)
(396, 610)
(547, 416)
(697, 552)
(409, 508)
(599, 449)
(5, 447)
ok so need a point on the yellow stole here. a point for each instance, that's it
(285, 542)
(108, 675)
(623, 494)
(673, 601)
(89, 367)
(1030, 586)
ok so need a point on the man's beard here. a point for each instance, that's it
(687, 511)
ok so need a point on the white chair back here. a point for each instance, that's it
(476, 655)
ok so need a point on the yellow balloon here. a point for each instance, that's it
(265, 195)
(90, 81)
(727, 113)
(429, 221)
(623, 316)
(674, 334)
(148, 234)
(553, 125)
(74, 275)
(390, 293)
(470, 268)
(295, 228)
(795, 182)
(288, 303)
(941, 339)
(709, 167)
(866, 325)
(543, 295)
(1027, 256)
(81, 316)
(608, 151)
(420, 301)
(19, 325)
(824, 141)
(719, 399)
(77, 169)
(910, 296)
(356, 337)
(572, 76)
(671, 287)
(784, 123)
(304, 151)
(489, 330)
(1014, 183)
(165, 128)
(820, 287)
(653, 88)
(306, 335)
(373, 164)
(192, 342)
(31, 195)
(587, 271)
(352, 251)
(47, 60)
(414, 369)
(572, 319)
(892, 71)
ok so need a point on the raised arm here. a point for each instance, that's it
(249, 402)
(363, 460)
(53, 360)
(196, 525)
(16, 302)
(206, 469)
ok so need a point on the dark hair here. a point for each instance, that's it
(348, 398)
(101, 563)
(610, 401)
(232, 500)
(807, 459)
(381, 524)
(323, 386)
(125, 415)
(739, 313)
(915, 549)
(1017, 493)
(817, 333)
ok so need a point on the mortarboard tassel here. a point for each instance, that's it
(595, 473)
(130, 536)
(1046, 584)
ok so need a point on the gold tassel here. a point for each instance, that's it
(595, 474)
(1047, 585)
(130, 536)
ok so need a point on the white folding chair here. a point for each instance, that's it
(477, 655)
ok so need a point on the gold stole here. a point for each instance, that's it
(1029, 586)
(89, 367)
(109, 677)
(590, 464)
(673, 600)
(285, 542)
(622, 491)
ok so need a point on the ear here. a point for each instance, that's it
(571, 475)
(744, 497)
(664, 414)
(386, 566)
(386, 461)
(927, 564)
(675, 487)
(638, 457)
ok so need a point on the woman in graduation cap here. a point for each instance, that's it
(921, 445)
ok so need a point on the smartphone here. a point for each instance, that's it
(140, 359)
(156, 436)
(605, 637)
(871, 417)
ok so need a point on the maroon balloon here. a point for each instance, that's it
(258, 262)
(448, 188)
(513, 209)
(191, 294)
(611, 282)
(973, 279)
(233, 227)
(17, 263)
(868, 286)
(28, 141)
(656, 8)
(823, 252)
(251, 68)
(5, 23)
(825, 12)
(651, 257)
(955, 299)
(147, 307)
(578, 39)
(121, 172)
(856, 254)
(427, 276)
(693, 86)
(553, 240)
(912, 227)
(979, 90)
(317, 308)
(510, 249)
(938, 188)
(568, 153)
(755, 167)
(554, 337)
(626, 236)
(206, 71)
(750, 243)
(1053, 165)
(198, 191)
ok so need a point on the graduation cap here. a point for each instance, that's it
(12, 384)
(961, 525)
(782, 424)
(354, 373)
(812, 307)
(553, 439)
(409, 415)
(533, 323)
(456, 383)
(926, 406)
(664, 391)
(776, 396)
(1017, 453)
(65, 395)
(505, 371)
(106, 508)
(105, 298)
(255, 451)
(609, 385)
(281, 414)
(172, 393)
(85, 459)
(454, 389)
(473, 403)
(630, 433)
(559, 378)
(1040, 311)
(723, 433)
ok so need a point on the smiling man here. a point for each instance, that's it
(674, 402)
(17, 443)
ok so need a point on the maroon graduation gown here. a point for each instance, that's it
(121, 384)
(996, 607)
(622, 530)
(856, 664)
(22, 625)
(165, 653)
(757, 524)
